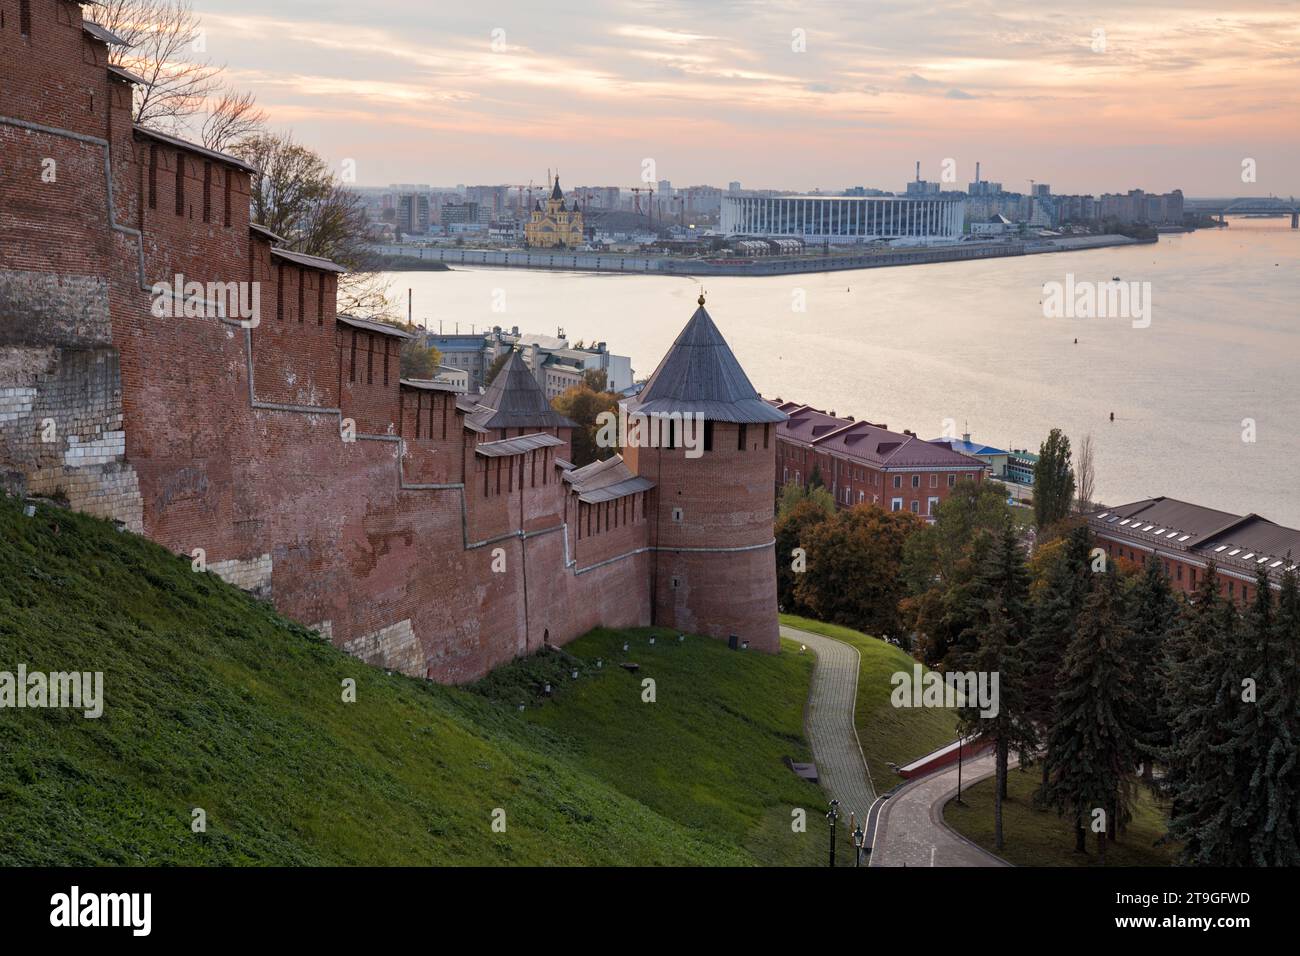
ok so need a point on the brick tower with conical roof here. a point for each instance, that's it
(713, 569)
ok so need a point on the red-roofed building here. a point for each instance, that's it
(860, 462)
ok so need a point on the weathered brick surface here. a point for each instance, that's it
(204, 434)
(713, 569)
(37, 308)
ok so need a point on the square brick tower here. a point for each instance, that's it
(713, 569)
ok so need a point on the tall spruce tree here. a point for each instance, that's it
(1058, 602)
(995, 602)
(1264, 730)
(1152, 617)
(1091, 751)
(1284, 766)
(1204, 694)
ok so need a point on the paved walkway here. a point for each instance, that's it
(910, 830)
(829, 719)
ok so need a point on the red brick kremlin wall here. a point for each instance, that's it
(206, 435)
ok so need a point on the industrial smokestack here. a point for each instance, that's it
(977, 170)
(918, 170)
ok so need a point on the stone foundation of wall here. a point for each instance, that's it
(61, 431)
(251, 574)
(393, 647)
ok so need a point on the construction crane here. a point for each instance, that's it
(650, 201)
(519, 201)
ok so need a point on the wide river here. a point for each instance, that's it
(1206, 397)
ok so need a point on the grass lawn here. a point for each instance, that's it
(888, 734)
(702, 754)
(1035, 837)
(214, 701)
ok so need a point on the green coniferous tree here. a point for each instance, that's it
(1056, 609)
(1091, 751)
(1265, 727)
(1152, 617)
(996, 603)
(1204, 699)
(1284, 766)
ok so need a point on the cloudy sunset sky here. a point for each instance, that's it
(1086, 97)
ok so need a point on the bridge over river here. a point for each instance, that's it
(1247, 206)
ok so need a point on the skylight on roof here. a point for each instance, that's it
(1183, 538)
(1276, 564)
(1158, 533)
(1247, 557)
(1172, 534)
(1222, 547)
(1234, 552)
(1148, 527)
(1262, 560)
(1112, 519)
(1103, 514)
(1125, 521)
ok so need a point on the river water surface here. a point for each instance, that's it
(966, 344)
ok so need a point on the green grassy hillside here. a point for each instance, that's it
(214, 701)
(1034, 837)
(888, 734)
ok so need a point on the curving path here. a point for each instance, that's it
(829, 722)
(909, 827)
(910, 830)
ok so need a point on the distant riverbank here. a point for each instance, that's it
(406, 263)
(440, 257)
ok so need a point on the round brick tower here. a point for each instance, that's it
(707, 440)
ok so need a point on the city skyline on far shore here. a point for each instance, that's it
(1133, 95)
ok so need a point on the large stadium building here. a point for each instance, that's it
(845, 219)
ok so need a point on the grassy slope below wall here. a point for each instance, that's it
(888, 734)
(215, 701)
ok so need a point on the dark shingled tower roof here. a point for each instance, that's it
(515, 400)
(700, 375)
(555, 191)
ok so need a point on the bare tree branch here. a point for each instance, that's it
(234, 117)
(162, 38)
(296, 196)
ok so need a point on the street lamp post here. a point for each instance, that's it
(959, 743)
(832, 815)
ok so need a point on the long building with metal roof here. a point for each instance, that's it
(1187, 538)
